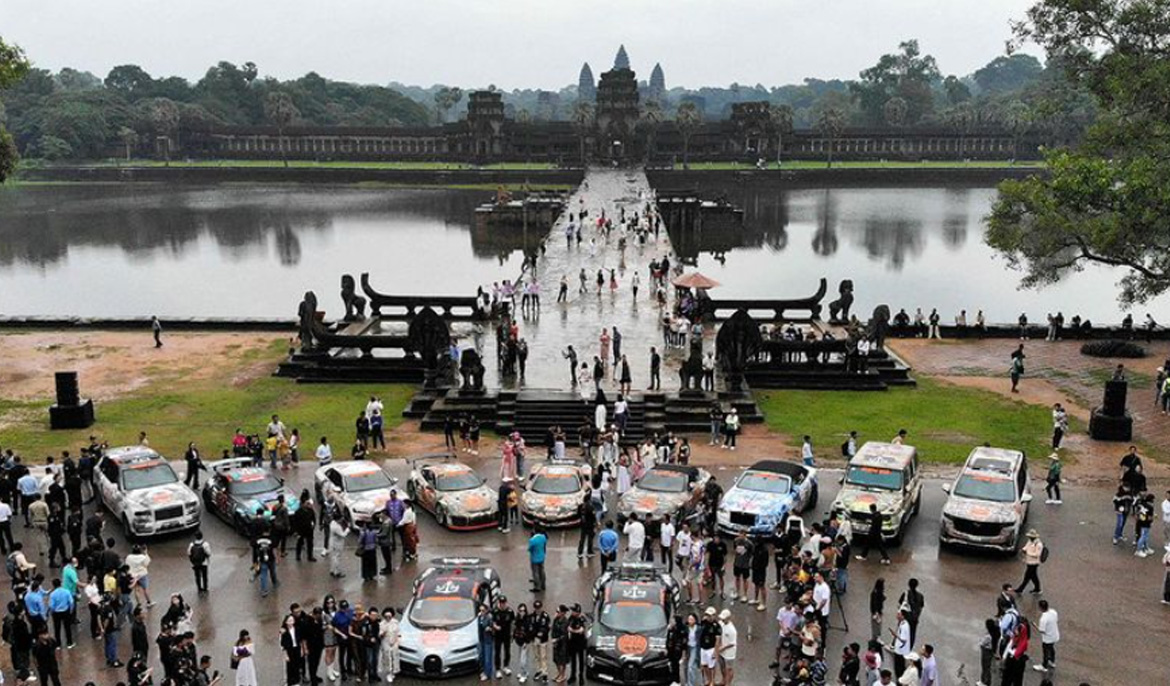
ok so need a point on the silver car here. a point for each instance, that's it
(439, 633)
(988, 501)
(142, 490)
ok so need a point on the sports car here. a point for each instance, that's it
(243, 495)
(438, 632)
(664, 490)
(635, 604)
(360, 488)
(554, 492)
(764, 495)
(452, 491)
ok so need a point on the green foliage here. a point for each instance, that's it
(1008, 73)
(1108, 200)
(907, 74)
(53, 148)
(9, 157)
(1111, 348)
(944, 421)
(13, 64)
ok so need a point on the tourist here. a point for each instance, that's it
(368, 550)
(139, 563)
(303, 523)
(522, 636)
(741, 566)
(540, 624)
(607, 545)
(537, 545)
(378, 430)
(1033, 555)
(1059, 425)
(1049, 629)
(1052, 480)
(264, 562)
(44, 651)
(61, 609)
(655, 370)
(194, 465)
(1166, 518)
(587, 517)
(291, 644)
(1143, 515)
(560, 640)
(625, 381)
(617, 335)
(728, 638)
(242, 661)
(806, 452)
(338, 530)
(502, 620)
(1017, 368)
(578, 627)
(1015, 655)
(730, 428)
(716, 552)
(1123, 503)
(666, 537)
(912, 603)
(324, 452)
(635, 533)
(156, 331)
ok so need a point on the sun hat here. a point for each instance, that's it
(1032, 533)
(726, 614)
(912, 656)
(710, 612)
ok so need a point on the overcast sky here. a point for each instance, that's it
(511, 43)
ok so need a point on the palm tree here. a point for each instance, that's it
(129, 138)
(281, 111)
(1017, 116)
(652, 117)
(687, 119)
(445, 99)
(830, 123)
(164, 113)
(781, 118)
(583, 123)
(962, 118)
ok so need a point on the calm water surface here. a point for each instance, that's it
(252, 251)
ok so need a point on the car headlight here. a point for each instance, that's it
(143, 514)
(363, 506)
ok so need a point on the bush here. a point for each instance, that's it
(1113, 349)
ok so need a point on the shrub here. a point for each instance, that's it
(1113, 348)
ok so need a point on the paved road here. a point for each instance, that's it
(1107, 598)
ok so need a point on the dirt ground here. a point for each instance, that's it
(112, 364)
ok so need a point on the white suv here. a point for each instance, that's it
(142, 490)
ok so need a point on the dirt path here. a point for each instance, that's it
(112, 364)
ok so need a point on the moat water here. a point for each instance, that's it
(129, 250)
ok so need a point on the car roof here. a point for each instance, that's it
(455, 577)
(779, 467)
(886, 455)
(691, 472)
(356, 466)
(994, 460)
(131, 453)
(448, 467)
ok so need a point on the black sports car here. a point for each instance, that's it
(243, 495)
(635, 603)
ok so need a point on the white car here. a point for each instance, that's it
(360, 488)
(142, 490)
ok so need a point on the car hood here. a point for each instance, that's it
(757, 502)
(858, 500)
(619, 644)
(161, 496)
(368, 501)
(437, 641)
(470, 501)
(265, 503)
(548, 502)
(980, 510)
(656, 503)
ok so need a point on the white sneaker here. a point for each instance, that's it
(1040, 668)
(733, 597)
(499, 674)
(507, 671)
(522, 679)
(1048, 501)
(1058, 501)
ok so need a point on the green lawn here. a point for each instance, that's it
(311, 164)
(945, 422)
(871, 164)
(208, 413)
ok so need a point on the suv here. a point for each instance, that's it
(635, 605)
(988, 502)
(886, 475)
(142, 490)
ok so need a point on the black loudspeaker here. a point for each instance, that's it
(68, 393)
(1115, 392)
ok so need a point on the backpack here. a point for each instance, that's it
(1044, 553)
(198, 554)
(845, 449)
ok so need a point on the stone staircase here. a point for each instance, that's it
(884, 371)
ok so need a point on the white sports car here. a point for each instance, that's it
(360, 488)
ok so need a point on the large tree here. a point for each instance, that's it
(445, 99)
(781, 118)
(13, 67)
(1106, 201)
(830, 122)
(907, 74)
(281, 111)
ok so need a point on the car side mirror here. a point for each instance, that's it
(1026, 498)
(946, 488)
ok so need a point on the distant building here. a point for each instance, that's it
(586, 90)
(657, 83)
(621, 60)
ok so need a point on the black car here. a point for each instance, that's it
(635, 603)
(243, 495)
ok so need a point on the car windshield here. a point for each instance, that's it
(874, 477)
(768, 482)
(442, 612)
(633, 617)
(556, 483)
(148, 476)
(980, 487)
(663, 481)
(371, 480)
(458, 481)
(255, 485)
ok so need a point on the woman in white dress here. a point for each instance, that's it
(388, 655)
(245, 667)
(623, 476)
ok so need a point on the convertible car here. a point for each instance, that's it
(764, 495)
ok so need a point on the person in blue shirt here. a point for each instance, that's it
(36, 602)
(537, 547)
(61, 605)
(486, 625)
(607, 544)
(341, 621)
(30, 488)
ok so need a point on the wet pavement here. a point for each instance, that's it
(1107, 598)
(579, 321)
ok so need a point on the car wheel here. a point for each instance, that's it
(410, 490)
(917, 505)
(130, 536)
(441, 517)
(813, 498)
